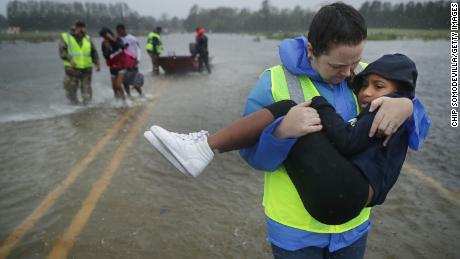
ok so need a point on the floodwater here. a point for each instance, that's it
(82, 182)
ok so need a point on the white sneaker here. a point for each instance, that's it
(191, 150)
(162, 149)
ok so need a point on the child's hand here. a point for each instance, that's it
(299, 121)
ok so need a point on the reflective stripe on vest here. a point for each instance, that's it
(149, 46)
(80, 55)
(281, 201)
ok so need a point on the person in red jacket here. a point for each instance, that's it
(202, 49)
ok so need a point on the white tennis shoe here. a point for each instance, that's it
(162, 149)
(191, 150)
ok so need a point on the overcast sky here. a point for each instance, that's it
(181, 8)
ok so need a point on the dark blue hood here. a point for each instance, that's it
(395, 67)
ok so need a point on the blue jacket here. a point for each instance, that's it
(380, 165)
(270, 152)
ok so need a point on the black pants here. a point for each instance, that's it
(333, 190)
(129, 80)
(203, 59)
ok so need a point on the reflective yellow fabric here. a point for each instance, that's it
(80, 55)
(281, 200)
(149, 46)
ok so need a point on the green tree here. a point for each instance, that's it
(3, 22)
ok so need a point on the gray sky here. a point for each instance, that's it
(181, 8)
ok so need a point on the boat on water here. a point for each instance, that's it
(180, 64)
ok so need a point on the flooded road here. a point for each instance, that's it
(83, 183)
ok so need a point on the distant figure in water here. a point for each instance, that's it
(202, 49)
(79, 54)
(154, 48)
(118, 59)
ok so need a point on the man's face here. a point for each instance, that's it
(336, 65)
(121, 32)
(80, 30)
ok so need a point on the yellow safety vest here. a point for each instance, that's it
(149, 45)
(80, 55)
(281, 201)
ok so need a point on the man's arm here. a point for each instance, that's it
(138, 49)
(63, 50)
(155, 43)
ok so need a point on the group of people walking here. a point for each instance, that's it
(310, 124)
(122, 54)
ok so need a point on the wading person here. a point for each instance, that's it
(79, 54)
(338, 171)
(202, 49)
(118, 60)
(320, 65)
(154, 48)
(131, 45)
(317, 66)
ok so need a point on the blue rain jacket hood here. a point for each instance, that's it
(293, 55)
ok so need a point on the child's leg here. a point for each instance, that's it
(246, 131)
(191, 153)
(332, 189)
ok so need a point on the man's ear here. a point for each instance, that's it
(309, 50)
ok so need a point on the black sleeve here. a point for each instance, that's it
(349, 138)
(105, 51)
(155, 42)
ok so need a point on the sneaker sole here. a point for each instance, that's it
(163, 151)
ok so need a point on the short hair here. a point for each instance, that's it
(104, 31)
(120, 26)
(80, 24)
(336, 24)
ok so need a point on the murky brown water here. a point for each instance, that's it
(149, 210)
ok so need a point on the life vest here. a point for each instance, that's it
(158, 48)
(281, 200)
(80, 55)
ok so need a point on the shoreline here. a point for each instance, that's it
(373, 34)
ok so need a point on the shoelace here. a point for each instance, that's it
(194, 136)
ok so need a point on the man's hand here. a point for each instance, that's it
(391, 115)
(72, 63)
(299, 121)
(98, 67)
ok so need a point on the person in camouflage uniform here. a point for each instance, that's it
(79, 54)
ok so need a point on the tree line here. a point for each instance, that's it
(52, 16)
